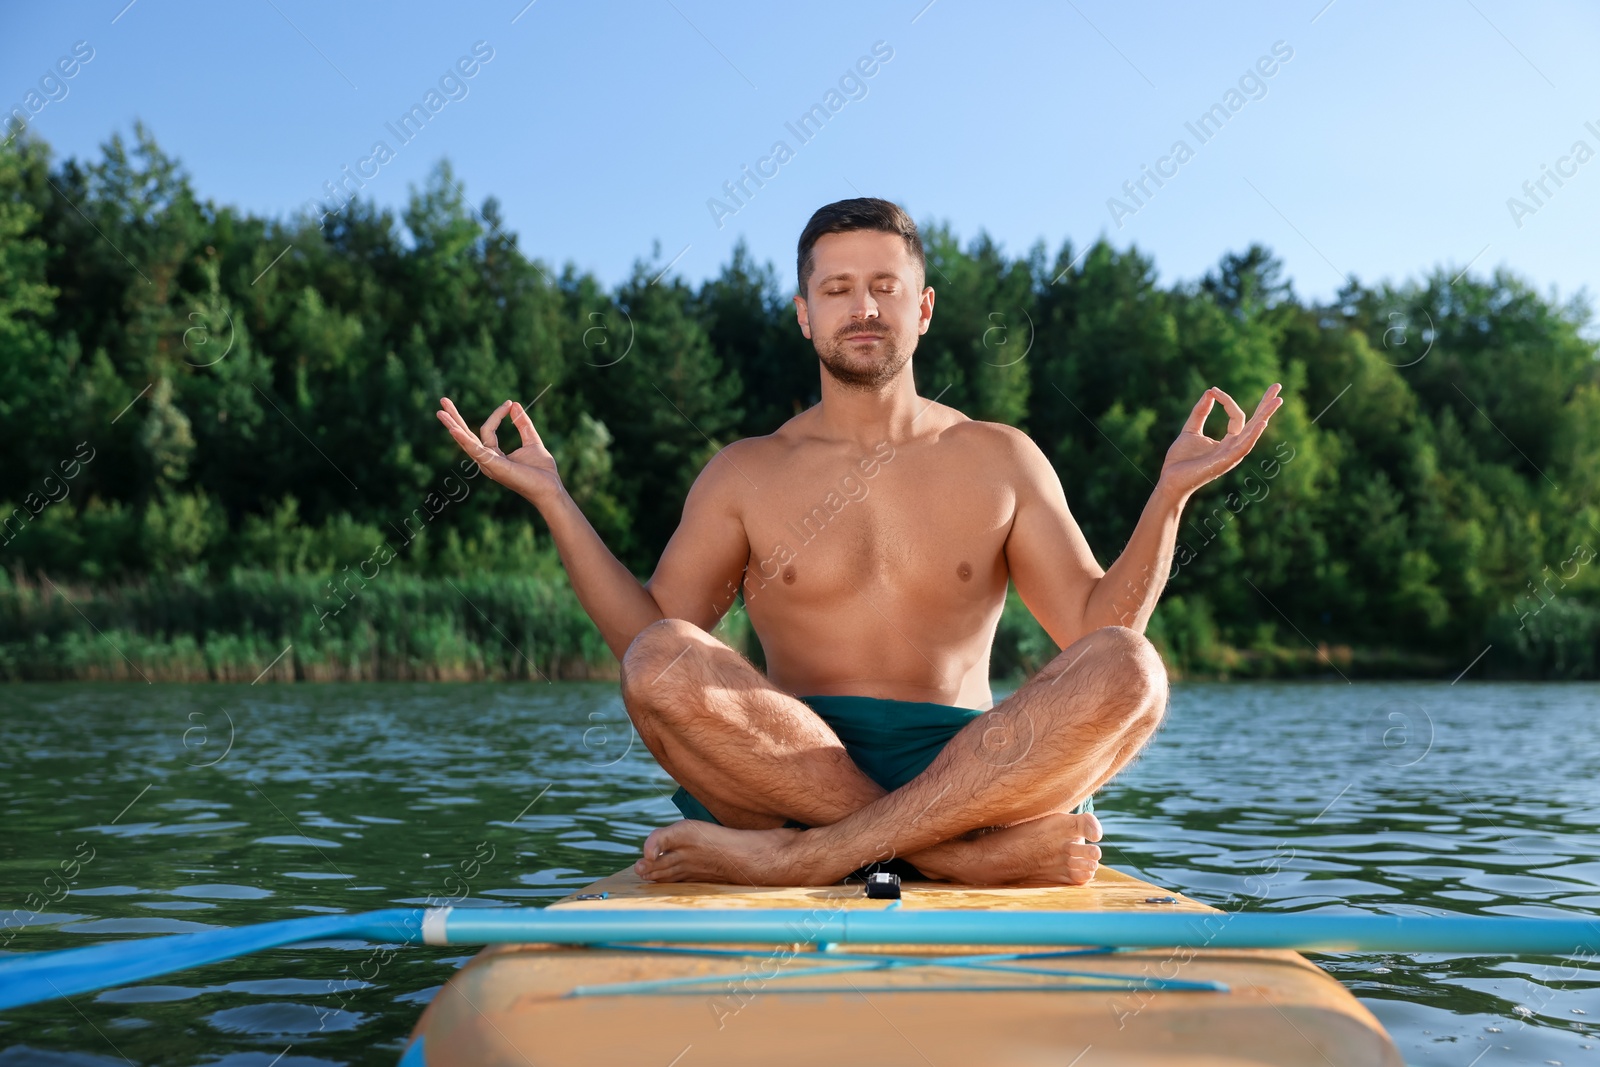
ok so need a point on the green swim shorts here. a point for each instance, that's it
(892, 741)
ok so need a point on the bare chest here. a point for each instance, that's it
(902, 522)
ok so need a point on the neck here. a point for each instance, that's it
(892, 412)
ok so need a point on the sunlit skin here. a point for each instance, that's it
(873, 536)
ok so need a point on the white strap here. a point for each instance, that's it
(433, 926)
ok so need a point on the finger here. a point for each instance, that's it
(1265, 396)
(486, 431)
(454, 416)
(1235, 412)
(469, 444)
(447, 411)
(1197, 417)
(1269, 402)
(1248, 439)
(450, 406)
(524, 424)
(1258, 426)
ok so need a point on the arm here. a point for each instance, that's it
(1049, 559)
(707, 551)
(702, 567)
(608, 591)
(1054, 571)
(1126, 594)
(695, 580)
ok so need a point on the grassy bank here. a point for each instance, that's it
(292, 627)
(259, 624)
(1188, 640)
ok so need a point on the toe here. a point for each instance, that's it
(655, 852)
(657, 844)
(659, 874)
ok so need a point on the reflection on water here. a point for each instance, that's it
(137, 810)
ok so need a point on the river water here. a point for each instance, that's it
(173, 808)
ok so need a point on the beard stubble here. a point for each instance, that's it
(848, 370)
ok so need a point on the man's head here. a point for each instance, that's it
(863, 299)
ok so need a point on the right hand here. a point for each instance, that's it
(530, 470)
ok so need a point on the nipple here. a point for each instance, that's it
(964, 571)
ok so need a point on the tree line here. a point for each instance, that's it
(190, 393)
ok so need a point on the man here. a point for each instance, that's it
(873, 536)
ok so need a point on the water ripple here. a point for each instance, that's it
(1400, 798)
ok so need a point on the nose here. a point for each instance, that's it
(865, 307)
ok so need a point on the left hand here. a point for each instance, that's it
(1195, 459)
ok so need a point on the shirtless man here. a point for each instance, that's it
(872, 536)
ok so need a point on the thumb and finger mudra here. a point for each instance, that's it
(519, 418)
(483, 447)
(1202, 410)
(1224, 453)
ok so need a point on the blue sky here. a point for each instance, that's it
(1387, 144)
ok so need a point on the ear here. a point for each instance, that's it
(802, 317)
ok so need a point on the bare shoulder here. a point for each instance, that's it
(742, 464)
(726, 470)
(738, 468)
(999, 446)
(795, 437)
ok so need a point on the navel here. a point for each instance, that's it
(788, 574)
(964, 571)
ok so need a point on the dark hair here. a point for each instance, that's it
(863, 213)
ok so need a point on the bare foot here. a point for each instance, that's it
(694, 851)
(1052, 850)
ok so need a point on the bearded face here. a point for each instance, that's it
(865, 308)
(862, 355)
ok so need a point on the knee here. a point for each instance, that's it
(1128, 665)
(657, 658)
(1138, 665)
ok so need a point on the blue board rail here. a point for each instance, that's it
(28, 979)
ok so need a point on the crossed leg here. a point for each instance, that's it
(992, 808)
